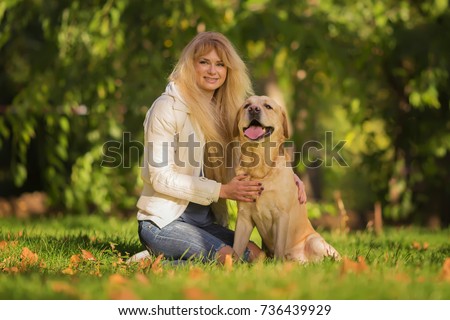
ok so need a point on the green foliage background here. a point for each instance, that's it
(77, 74)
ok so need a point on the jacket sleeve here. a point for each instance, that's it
(163, 174)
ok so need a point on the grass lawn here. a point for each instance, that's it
(84, 258)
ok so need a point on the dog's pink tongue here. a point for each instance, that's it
(254, 132)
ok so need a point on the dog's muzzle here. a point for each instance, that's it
(256, 131)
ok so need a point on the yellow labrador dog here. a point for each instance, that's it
(262, 127)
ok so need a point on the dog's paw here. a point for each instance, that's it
(317, 248)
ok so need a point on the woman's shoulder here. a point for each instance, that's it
(164, 101)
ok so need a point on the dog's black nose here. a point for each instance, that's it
(254, 110)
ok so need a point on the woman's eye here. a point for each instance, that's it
(221, 65)
(203, 62)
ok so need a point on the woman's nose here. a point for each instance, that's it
(212, 69)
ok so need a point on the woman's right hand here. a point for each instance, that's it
(241, 189)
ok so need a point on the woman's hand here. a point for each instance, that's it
(301, 189)
(241, 189)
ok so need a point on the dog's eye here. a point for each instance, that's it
(247, 105)
(268, 106)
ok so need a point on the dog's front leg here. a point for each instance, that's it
(280, 236)
(244, 227)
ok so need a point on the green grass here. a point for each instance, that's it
(395, 268)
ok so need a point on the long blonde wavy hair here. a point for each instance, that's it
(215, 118)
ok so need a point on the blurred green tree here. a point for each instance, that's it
(77, 77)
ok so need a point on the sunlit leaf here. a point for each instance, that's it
(11, 270)
(117, 279)
(75, 260)
(445, 273)
(69, 271)
(194, 293)
(64, 287)
(87, 255)
(28, 257)
(142, 279)
(156, 265)
(196, 273)
(122, 294)
(3, 245)
(350, 266)
(228, 264)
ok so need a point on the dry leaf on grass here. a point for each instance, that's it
(196, 273)
(117, 279)
(418, 246)
(228, 264)
(142, 279)
(122, 294)
(28, 258)
(156, 265)
(194, 293)
(3, 245)
(445, 273)
(69, 271)
(75, 260)
(87, 255)
(64, 287)
(350, 266)
(11, 270)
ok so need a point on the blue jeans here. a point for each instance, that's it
(180, 240)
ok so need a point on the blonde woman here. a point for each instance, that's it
(182, 209)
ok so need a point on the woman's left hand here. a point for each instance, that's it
(301, 189)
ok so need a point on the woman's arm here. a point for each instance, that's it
(301, 189)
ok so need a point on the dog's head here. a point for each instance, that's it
(261, 118)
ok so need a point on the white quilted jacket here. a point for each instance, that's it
(171, 172)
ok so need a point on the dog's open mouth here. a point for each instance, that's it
(256, 131)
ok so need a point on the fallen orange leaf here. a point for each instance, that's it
(144, 264)
(12, 269)
(445, 273)
(156, 265)
(117, 279)
(3, 245)
(193, 293)
(402, 277)
(28, 257)
(141, 278)
(196, 273)
(352, 266)
(123, 294)
(416, 245)
(228, 264)
(75, 260)
(69, 271)
(87, 255)
(63, 287)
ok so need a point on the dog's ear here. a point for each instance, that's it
(286, 125)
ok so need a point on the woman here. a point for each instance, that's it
(182, 209)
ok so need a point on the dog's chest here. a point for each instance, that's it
(276, 199)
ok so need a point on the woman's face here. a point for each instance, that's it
(210, 72)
